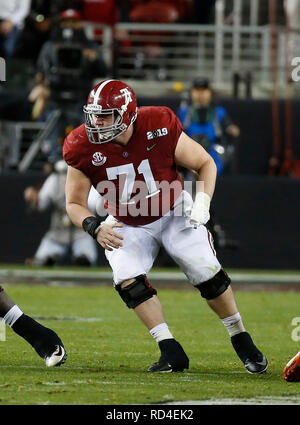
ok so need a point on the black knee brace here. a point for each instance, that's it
(136, 292)
(215, 286)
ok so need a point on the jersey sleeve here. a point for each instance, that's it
(70, 153)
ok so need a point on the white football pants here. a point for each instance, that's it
(192, 249)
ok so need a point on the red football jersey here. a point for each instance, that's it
(140, 181)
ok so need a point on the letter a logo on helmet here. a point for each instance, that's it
(127, 98)
(111, 108)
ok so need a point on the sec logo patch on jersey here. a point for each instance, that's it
(98, 159)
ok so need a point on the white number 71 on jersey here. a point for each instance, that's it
(128, 169)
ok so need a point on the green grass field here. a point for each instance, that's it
(109, 350)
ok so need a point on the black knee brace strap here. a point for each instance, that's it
(215, 286)
(137, 292)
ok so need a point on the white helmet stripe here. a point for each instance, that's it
(98, 91)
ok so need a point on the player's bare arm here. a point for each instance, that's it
(191, 155)
(77, 192)
(78, 186)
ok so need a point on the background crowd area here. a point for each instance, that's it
(56, 51)
(37, 18)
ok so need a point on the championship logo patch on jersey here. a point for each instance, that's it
(98, 159)
(157, 133)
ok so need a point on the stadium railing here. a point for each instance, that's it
(179, 52)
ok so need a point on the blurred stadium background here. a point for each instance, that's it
(245, 48)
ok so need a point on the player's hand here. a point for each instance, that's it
(109, 238)
(200, 211)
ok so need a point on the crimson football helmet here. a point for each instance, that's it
(114, 102)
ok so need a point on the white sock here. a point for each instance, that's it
(234, 324)
(161, 332)
(12, 315)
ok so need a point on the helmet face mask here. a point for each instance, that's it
(102, 134)
(111, 108)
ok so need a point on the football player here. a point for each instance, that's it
(131, 156)
(45, 341)
(291, 371)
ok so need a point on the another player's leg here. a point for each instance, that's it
(219, 296)
(291, 371)
(139, 295)
(45, 341)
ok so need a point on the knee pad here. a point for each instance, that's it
(136, 292)
(215, 286)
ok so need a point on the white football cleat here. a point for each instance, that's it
(57, 358)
